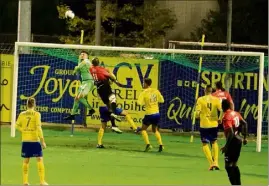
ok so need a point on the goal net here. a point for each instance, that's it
(45, 71)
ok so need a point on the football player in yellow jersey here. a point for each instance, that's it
(151, 98)
(207, 110)
(29, 124)
(105, 117)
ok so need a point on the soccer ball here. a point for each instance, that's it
(69, 14)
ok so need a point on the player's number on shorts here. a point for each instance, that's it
(236, 121)
(28, 121)
(209, 105)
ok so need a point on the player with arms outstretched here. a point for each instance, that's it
(232, 122)
(151, 98)
(207, 110)
(222, 94)
(29, 124)
(102, 79)
(105, 117)
(86, 86)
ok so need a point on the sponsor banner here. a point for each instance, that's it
(178, 82)
(6, 87)
(51, 81)
(130, 72)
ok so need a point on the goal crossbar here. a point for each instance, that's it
(129, 49)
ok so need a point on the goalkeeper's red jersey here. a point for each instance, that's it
(223, 95)
(99, 73)
(231, 119)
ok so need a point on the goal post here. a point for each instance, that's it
(14, 90)
(135, 60)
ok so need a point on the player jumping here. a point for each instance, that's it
(151, 98)
(231, 122)
(222, 94)
(29, 124)
(105, 117)
(86, 86)
(207, 110)
(102, 77)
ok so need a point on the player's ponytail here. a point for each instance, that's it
(31, 102)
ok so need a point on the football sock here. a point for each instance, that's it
(85, 103)
(100, 136)
(41, 171)
(207, 152)
(75, 107)
(131, 121)
(237, 175)
(114, 107)
(159, 138)
(212, 151)
(231, 175)
(145, 136)
(113, 124)
(215, 153)
(25, 171)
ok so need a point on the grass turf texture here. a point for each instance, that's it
(75, 160)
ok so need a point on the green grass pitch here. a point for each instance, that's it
(75, 160)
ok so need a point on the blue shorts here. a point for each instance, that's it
(209, 134)
(152, 119)
(105, 114)
(31, 149)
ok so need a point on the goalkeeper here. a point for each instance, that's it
(86, 86)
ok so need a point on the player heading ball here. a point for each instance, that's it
(102, 77)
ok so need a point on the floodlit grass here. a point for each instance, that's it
(75, 160)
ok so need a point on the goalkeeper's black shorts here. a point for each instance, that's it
(104, 90)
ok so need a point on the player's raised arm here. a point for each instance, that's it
(111, 76)
(85, 63)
